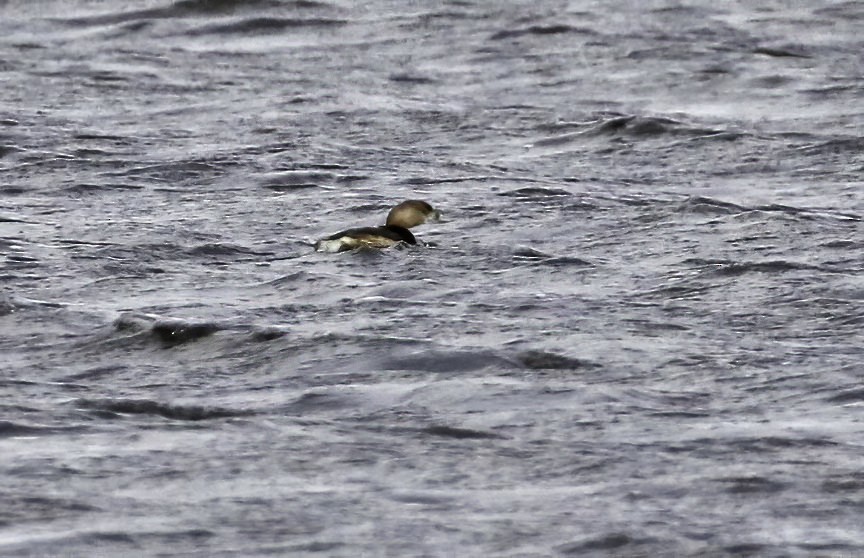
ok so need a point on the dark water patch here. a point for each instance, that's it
(7, 306)
(542, 360)
(221, 6)
(17, 508)
(182, 8)
(282, 187)
(680, 414)
(178, 332)
(9, 150)
(404, 77)
(542, 30)
(846, 320)
(748, 549)
(458, 433)
(17, 261)
(11, 219)
(643, 126)
(7, 190)
(88, 152)
(259, 25)
(105, 75)
(851, 10)
(708, 206)
(788, 51)
(655, 328)
(848, 397)
(843, 244)
(427, 180)
(533, 256)
(775, 81)
(566, 261)
(842, 145)
(9, 429)
(730, 268)
(324, 548)
(535, 193)
(844, 484)
(777, 443)
(634, 127)
(271, 333)
(115, 408)
(103, 137)
(751, 485)
(602, 543)
(90, 188)
(99, 537)
(775, 266)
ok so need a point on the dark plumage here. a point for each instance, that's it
(402, 217)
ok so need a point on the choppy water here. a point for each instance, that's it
(637, 333)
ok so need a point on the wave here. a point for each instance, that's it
(176, 332)
(257, 25)
(9, 429)
(189, 8)
(169, 331)
(542, 30)
(535, 192)
(111, 408)
(834, 146)
(458, 433)
(728, 267)
(211, 6)
(709, 206)
(713, 206)
(637, 127)
(542, 360)
(852, 396)
(789, 51)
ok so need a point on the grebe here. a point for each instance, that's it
(407, 214)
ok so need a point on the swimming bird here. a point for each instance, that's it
(402, 217)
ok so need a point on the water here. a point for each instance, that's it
(637, 331)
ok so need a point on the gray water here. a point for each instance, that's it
(637, 332)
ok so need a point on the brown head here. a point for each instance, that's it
(412, 213)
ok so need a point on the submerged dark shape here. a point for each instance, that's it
(542, 360)
(402, 217)
(175, 332)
